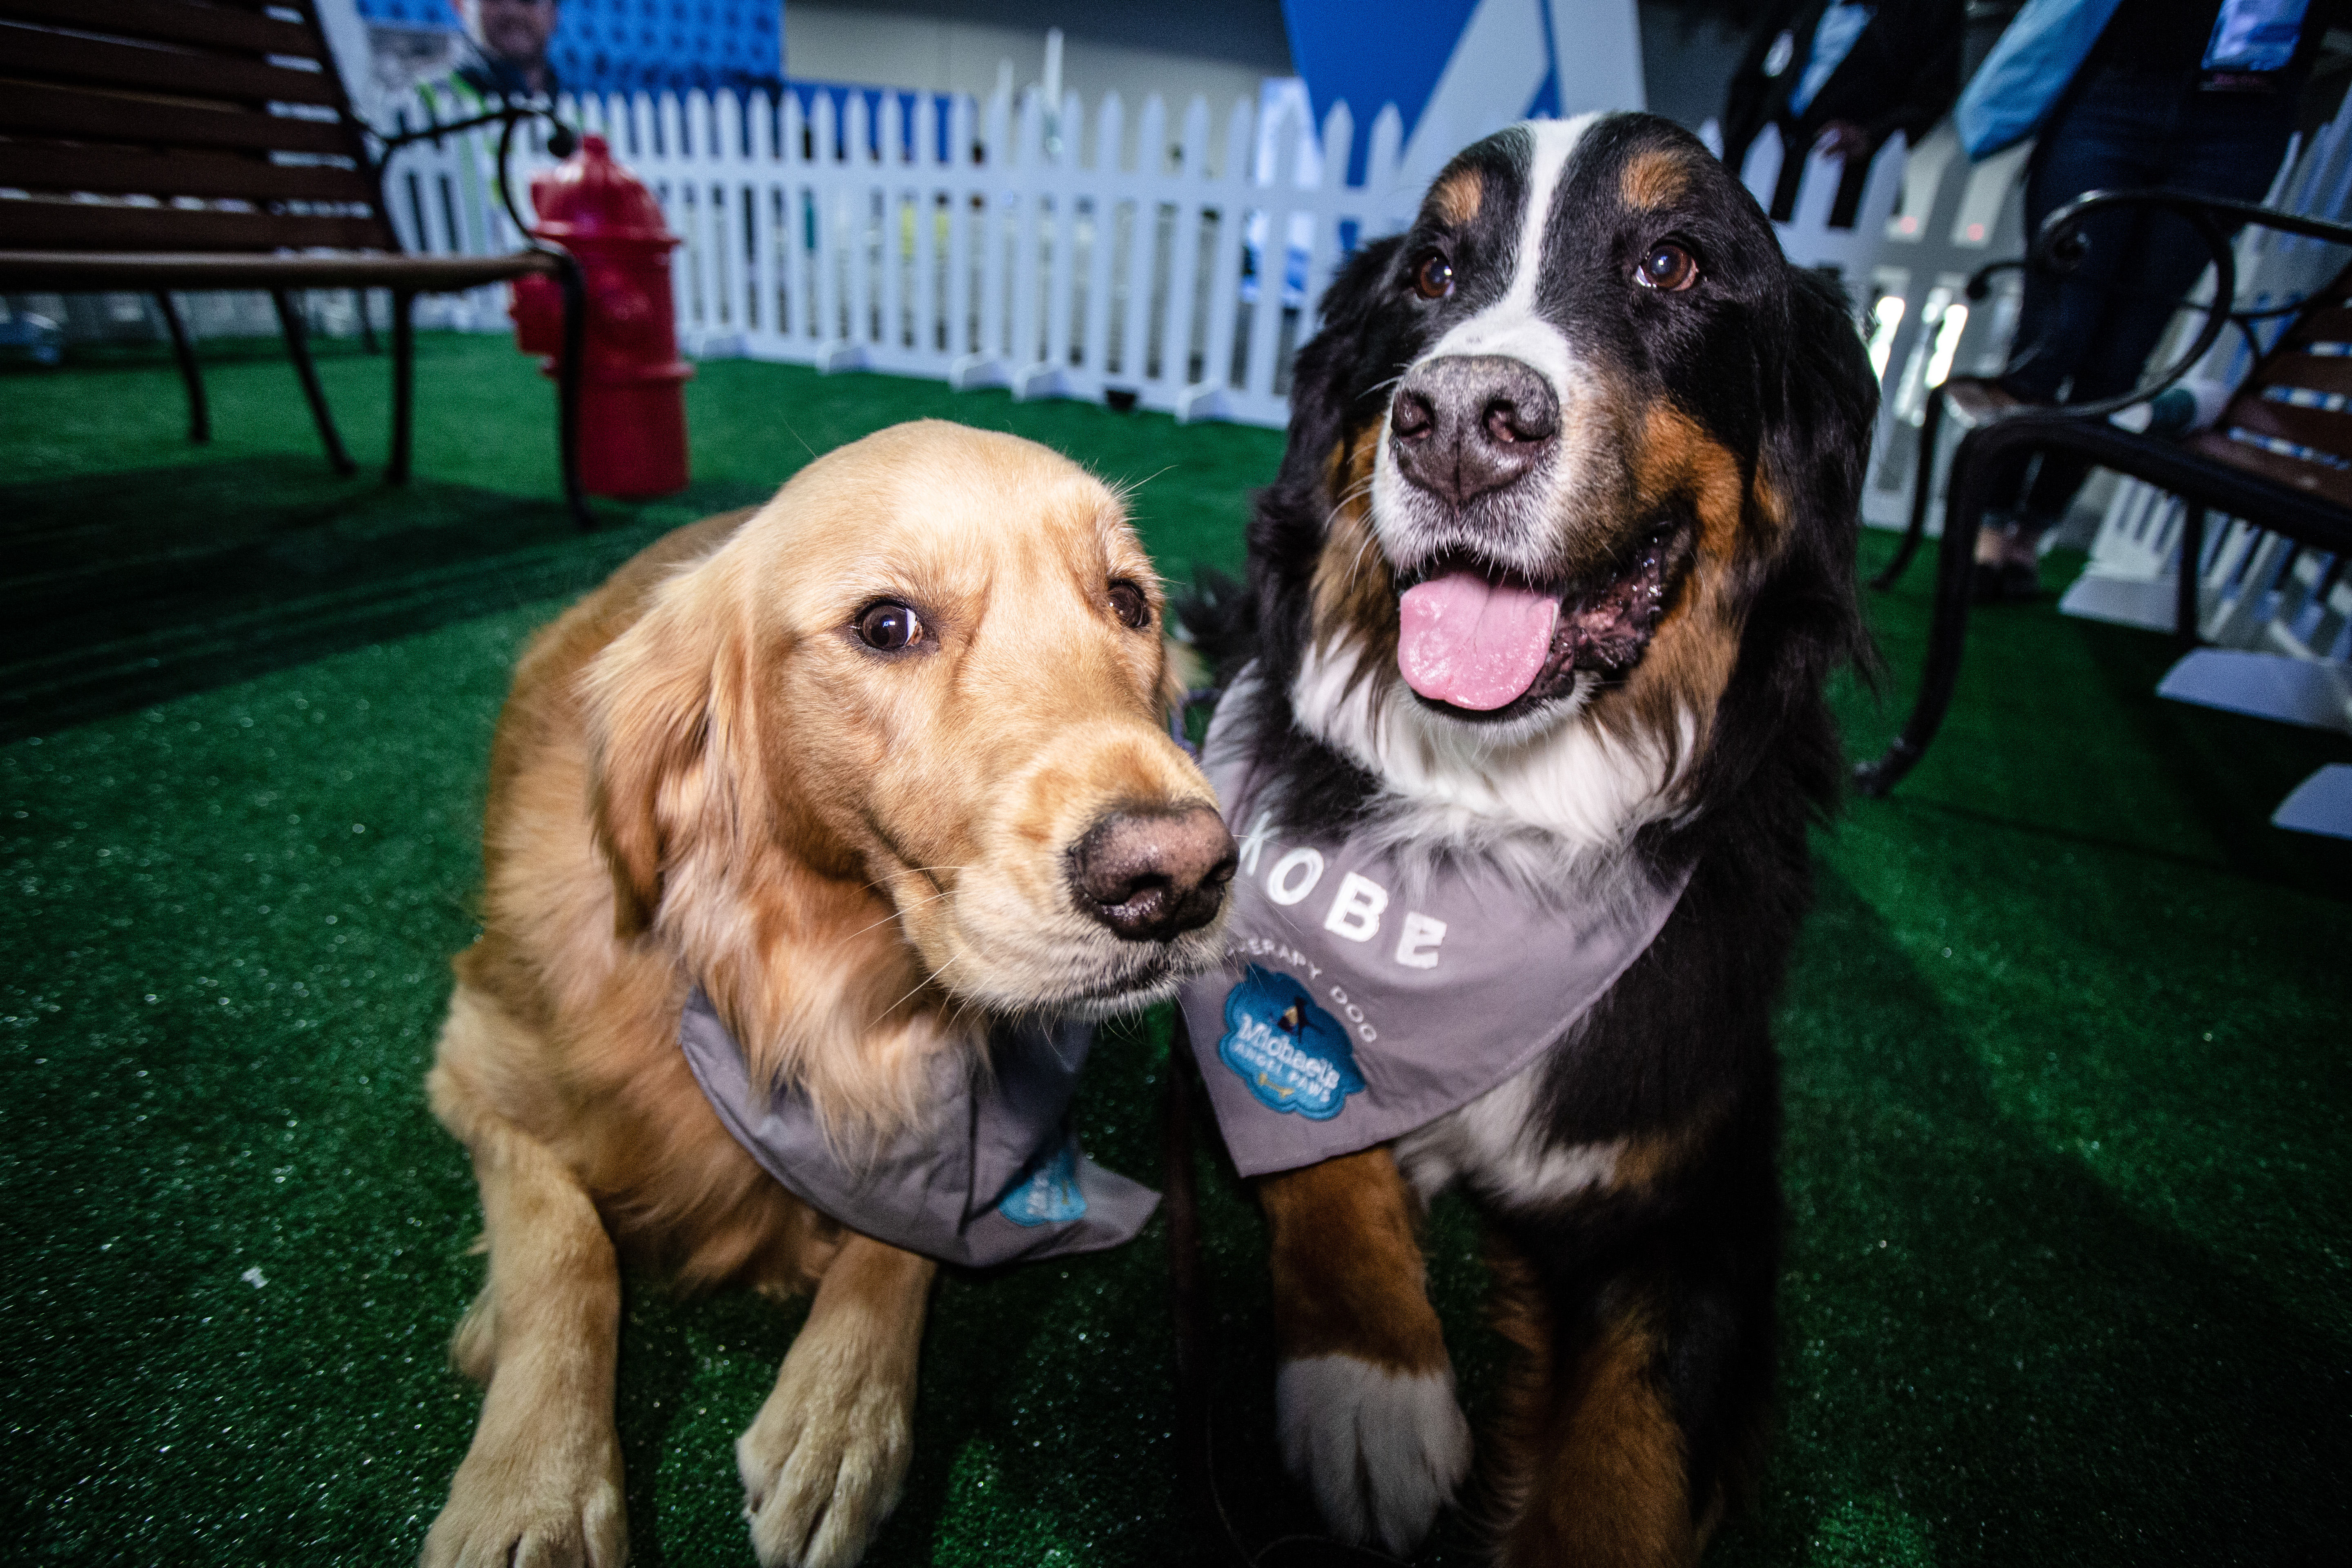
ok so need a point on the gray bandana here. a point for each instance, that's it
(1356, 1003)
(998, 1175)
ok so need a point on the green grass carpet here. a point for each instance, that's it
(2065, 1051)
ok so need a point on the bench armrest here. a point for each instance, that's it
(2061, 246)
(561, 140)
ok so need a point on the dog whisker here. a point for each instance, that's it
(893, 914)
(798, 436)
(918, 986)
(1121, 490)
(883, 882)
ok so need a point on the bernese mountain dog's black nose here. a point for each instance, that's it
(1467, 424)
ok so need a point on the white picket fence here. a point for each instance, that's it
(1099, 257)
(1086, 257)
(1033, 256)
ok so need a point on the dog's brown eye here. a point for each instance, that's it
(1433, 278)
(1668, 267)
(889, 627)
(1128, 603)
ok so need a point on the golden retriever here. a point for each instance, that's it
(875, 765)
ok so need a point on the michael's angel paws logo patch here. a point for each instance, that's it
(1293, 1055)
(1047, 1190)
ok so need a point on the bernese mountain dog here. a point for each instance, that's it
(1558, 560)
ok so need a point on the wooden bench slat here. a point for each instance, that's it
(2314, 427)
(37, 108)
(69, 270)
(59, 57)
(119, 172)
(2330, 484)
(2324, 323)
(89, 226)
(223, 27)
(2316, 373)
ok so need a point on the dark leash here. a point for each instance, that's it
(1196, 1448)
(1196, 1453)
(1180, 714)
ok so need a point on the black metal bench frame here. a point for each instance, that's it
(2006, 438)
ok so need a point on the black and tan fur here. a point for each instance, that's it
(1712, 435)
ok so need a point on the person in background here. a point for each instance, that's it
(2194, 95)
(508, 53)
(1846, 74)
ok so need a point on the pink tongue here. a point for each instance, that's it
(1468, 642)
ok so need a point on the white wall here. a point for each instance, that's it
(937, 55)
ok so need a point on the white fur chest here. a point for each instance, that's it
(1496, 1143)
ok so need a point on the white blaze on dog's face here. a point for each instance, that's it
(938, 688)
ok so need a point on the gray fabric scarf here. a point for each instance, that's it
(996, 1176)
(1358, 1003)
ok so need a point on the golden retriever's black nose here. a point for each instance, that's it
(1153, 875)
(1467, 424)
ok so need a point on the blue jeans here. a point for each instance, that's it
(2090, 334)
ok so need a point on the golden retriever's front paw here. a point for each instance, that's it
(823, 1464)
(1383, 1451)
(552, 1506)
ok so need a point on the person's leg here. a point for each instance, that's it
(1854, 174)
(2107, 135)
(2222, 144)
(1794, 149)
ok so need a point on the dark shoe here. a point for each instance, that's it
(2007, 583)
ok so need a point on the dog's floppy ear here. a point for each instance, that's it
(1337, 388)
(1830, 396)
(650, 698)
(1346, 360)
(1816, 450)
(1820, 402)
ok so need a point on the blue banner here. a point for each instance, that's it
(626, 45)
(1457, 69)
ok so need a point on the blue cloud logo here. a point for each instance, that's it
(1047, 1190)
(1293, 1056)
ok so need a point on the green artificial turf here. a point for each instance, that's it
(2064, 1044)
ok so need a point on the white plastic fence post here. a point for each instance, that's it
(988, 363)
(959, 198)
(1212, 394)
(1103, 193)
(796, 318)
(890, 181)
(824, 172)
(1143, 245)
(1190, 186)
(1334, 201)
(1029, 234)
(924, 174)
(760, 186)
(858, 178)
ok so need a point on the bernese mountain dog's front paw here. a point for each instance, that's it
(1381, 1450)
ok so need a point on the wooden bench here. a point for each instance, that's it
(167, 145)
(2280, 456)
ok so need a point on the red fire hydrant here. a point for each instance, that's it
(631, 403)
